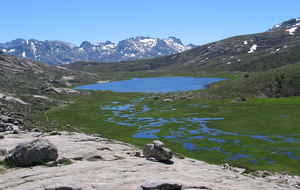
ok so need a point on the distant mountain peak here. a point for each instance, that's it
(59, 52)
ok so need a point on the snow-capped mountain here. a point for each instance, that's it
(58, 52)
(292, 23)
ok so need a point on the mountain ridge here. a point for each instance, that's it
(234, 53)
(59, 52)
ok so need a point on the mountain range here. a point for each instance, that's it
(255, 52)
(59, 52)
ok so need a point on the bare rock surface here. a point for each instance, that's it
(108, 164)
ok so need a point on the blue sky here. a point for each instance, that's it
(193, 21)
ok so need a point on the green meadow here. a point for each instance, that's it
(261, 133)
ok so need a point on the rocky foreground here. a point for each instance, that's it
(100, 163)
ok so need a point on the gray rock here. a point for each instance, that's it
(161, 154)
(1, 136)
(96, 135)
(21, 121)
(4, 119)
(63, 187)
(15, 131)
(36, 130)
(2, 129)
(52, 163)
(158, 144)
(135, 153)
(32, 153)
(152, 159)
(15, 122)
(55, 133)
(2, 151)
(161, 185)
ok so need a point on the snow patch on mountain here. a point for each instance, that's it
(33, 48)
(292, 30)
(253, 48)
(176, 44)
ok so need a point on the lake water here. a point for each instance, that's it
(160, 84)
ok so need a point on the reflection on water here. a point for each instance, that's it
(191, 131)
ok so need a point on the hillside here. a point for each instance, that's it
(29, 87)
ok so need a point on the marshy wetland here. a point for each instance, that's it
(258, 133)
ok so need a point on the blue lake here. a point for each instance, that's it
(160, 84)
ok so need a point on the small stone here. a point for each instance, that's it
(158, 144)
(77, 158)
(103, 148)
(21, 121)
(15, 131)
(52, 163)
(135, 153)
(16, 122)
(55, 133)
(152, 159)
(63, 187)
(160, 184)
(2, 151)
(1, 136)
(96, 135)
(36, 130)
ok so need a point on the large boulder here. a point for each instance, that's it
(157, 151)
(32, 153)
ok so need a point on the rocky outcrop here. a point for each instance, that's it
(62, 91)
(10, 124)
(157, 151)
(118, 169)
(32, 153)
